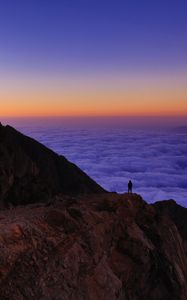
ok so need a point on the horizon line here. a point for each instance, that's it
(98, 116)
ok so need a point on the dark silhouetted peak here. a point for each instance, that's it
(30, 172)
(181, 129)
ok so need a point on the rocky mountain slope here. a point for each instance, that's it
(78, 242)
(30, 172)
(99, 247)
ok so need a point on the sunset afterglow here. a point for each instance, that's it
(93, 59)
(94, 98)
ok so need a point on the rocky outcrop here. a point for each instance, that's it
(96, 247)
(30, 172)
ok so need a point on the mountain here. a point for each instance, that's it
(102, 246)
(177, 213)
(71, 240)
(30, 172)
(181, 129)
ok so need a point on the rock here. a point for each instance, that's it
(78, 242)
(30, 172)
(72, 250)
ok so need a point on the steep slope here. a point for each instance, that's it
(98, 247)
(29, 172)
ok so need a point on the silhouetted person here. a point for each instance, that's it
(130, 186)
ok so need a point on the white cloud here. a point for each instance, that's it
(156, 161)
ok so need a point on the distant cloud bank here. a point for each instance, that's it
(155, 160)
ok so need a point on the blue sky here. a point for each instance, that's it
(93, 36)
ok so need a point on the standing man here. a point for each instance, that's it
(130, 186)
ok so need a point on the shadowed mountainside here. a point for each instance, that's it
(177, 213)
(30, 172)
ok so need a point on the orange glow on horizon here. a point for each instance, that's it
(108, 106)
(94, 101)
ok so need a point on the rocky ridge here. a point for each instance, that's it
(105, 246)
(65, 238)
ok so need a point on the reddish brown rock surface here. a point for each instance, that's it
(95, 247)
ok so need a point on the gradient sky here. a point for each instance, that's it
(91, 57)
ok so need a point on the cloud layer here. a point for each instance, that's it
(155, 160)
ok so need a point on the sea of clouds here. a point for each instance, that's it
(154, 159)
